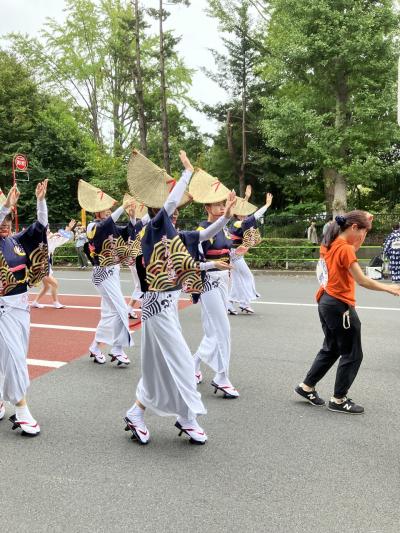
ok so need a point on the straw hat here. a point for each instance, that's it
(206, 189)
(149, 183)
(3, 198)
(140, 210)
(92, 198)
(243, 207)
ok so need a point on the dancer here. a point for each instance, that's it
(24, 262)
(54, 241)
(244, 235)
(167, 385)
(109, 246)
(337, 271)
(136, 297)
(215, 347)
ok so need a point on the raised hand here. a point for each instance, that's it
(185, 161)
(241, 250)
(268, 199)
(229, 204)
(71, 225)
(130, 208)
(12, 197)
(41, 189)
(248, 192)
(222, 265)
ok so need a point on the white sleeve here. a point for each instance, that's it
(4, 211)
(258, 214)
(177, 192)
(146, 219)
(42, 214)
(207, 266)
(213, 229)
(117, 213)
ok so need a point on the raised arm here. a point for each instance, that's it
(42, 214)
(116, 215)
(11, 201)
(178, 191)
(215, 227)
(268, 201)
(207, 233)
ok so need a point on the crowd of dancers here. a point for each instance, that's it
(208, 263)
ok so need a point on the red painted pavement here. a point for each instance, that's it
(66, 345)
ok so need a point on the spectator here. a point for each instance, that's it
(312, 235)
(391, 249)
(80, 240)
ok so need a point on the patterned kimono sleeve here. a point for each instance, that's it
(34, 242)
(251, 234)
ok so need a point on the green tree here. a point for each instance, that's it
(43, 128)
(332, 67)
(236, 74)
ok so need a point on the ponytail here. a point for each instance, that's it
(362, 219)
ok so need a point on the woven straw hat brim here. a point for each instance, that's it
(243, 208)
(92, 198)
(140, 210)
(3, 198)
(149, 183)
(205, 189)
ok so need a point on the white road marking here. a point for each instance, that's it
(57, 326)
(43, 362)
(49, 306)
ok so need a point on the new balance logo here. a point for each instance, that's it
(347, 406)
(311, 397)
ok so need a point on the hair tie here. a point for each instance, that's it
(340, 220)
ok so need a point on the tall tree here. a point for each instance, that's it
(161, 14)
(138, 79)
(235, 71)
(333, 68)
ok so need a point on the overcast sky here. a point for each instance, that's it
(198, 32)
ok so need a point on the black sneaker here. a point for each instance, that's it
(311, 397)
(348, 406)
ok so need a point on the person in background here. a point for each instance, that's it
(54, 240)
(391, 249)
(80, 240)
(312, 235)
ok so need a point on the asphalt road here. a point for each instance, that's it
(272, 463)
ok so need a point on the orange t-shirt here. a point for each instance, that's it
(335, 277)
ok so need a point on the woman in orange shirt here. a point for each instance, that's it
(337, 272)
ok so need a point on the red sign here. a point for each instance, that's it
(21, 162)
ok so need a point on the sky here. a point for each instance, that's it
(198, 33)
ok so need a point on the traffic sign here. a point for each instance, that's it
(21, 162)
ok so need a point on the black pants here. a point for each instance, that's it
(339, 342)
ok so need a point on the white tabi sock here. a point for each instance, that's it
(23, 413)
(136, 415)
(221, 379)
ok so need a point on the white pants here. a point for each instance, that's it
(113, 328)
(215, 347)
(137, 292)
(14, 340)
(168, 384)
(243, 288)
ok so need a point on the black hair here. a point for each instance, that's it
(362, 219)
